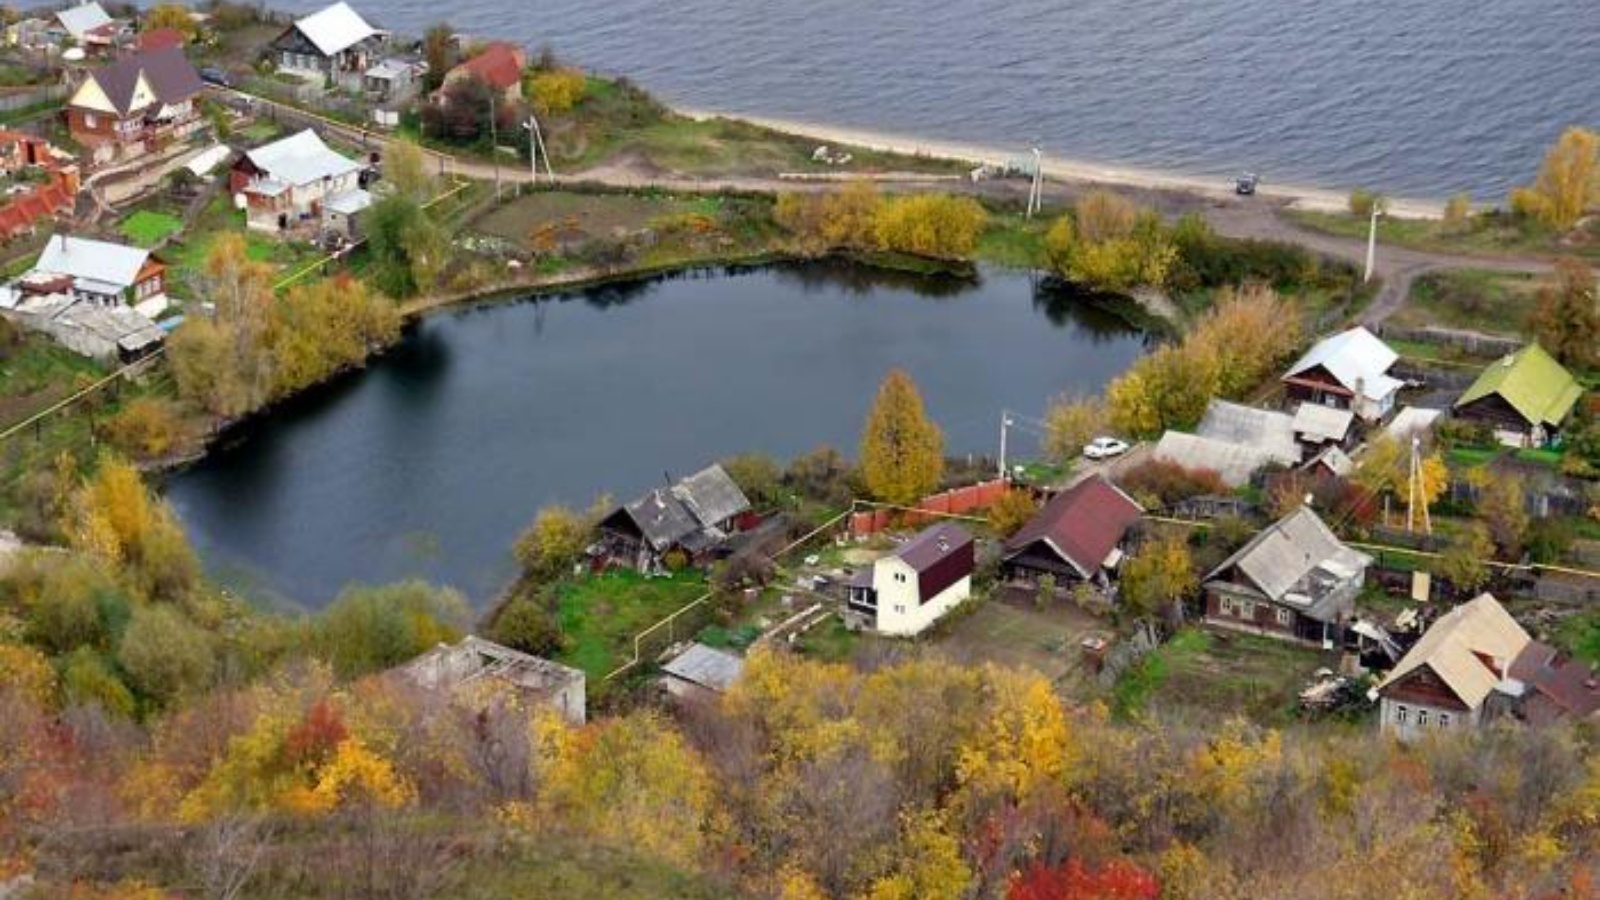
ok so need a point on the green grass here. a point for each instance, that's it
(600, 615)
(1213, 675)
(147, 228)
(1471, 299)
(1013, 241)
(188, 256)
(1471, 457)
(1487, 233)
(1579, 635)
(830, 642)
(1542, 456)
(1134, 688)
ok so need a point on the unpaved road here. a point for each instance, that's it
(1259, 217)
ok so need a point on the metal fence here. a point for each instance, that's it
(11, 102)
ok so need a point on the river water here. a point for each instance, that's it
(1418, 98)
(429, 462)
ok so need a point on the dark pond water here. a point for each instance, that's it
(430, 462)
(1421, 97)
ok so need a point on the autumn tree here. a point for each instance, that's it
(1464, 560)
(1566, 315)
(1116, 880)
(527, 625)
(147, 428)
(223, 363)
(1071, 423)
(557, 90)
(824, 221)
(119, 520)
(1386, 469)
(1011, 511)
(902, 451)
(439, 51)
(933, 225)
(1161, 573)
(409, 246)
(171, 15)
(1458, 211)
(553, 543)
(1110, 245)
(1102, 215)
(165, 655)
(1167, 388)
(372, 628)
(757, 475)
(320, 328)
(1250, 331)
(1363, 202)
(1502, 506)
(1568, 182)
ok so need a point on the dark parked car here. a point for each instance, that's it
(1246, 185)
(216, 76)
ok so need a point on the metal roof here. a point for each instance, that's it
(92, 261)
(711, 495)
(1081, 525)
(932, 544)
(1540, 389)
(1357, 359)
(349, 203)
(167, 71)
(335, 28)
(82, 19)
(300, 159)
(1412, 421)
(706, 666)
(1271, 433)
(1235, 463)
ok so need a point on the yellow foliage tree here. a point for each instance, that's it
(1386, 468)
(171, 15)
(631, 781)
(931, 867)
(1235, 764)
(1072, 422)
(933, 225)
(902, 451)
(27, 672)
(1568, 182)
(117, 519)
(557, 90)
(355, 774)
(1160, 573)
(1023, 744)
(1249, 331)
(1168, 388)
(1104, 216)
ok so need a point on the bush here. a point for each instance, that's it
(1011, 512)
(368, 629)
(528, 626)
(933, 225)
(553, 543)
(1363, 202)
(557, 90)
(165, 655)
(757, 475)
(1157, 483)
(148, 428)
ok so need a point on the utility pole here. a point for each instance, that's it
(1372, 240)
(537, 149)
(1416, 491)
(1036, 190)
(1005, 425)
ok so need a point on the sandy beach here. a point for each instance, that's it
(1071, 170)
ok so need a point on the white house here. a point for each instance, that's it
(1349, 370)
(99, 272)
(924, 578)
(333, 44)
(297, 181)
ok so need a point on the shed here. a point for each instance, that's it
(701, 670)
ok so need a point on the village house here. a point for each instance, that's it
(90, 27)
(909, 589)
(94, 298)
(477, 663)
(1349, 370)
(689, 522)
(135, 106)
(1476, 664)
(499, 65)
(1412, 422)
(393, 80)
(700, 673)
(333, 45)
(1318, 428)
(1078, 536)
(1293, 580)
(1525, 397)
(159, 39)
(298, 182)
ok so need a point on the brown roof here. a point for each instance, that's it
(160, 39)
(1568, 684)
(1082, 524)
(941, 555)
(168, 71)
(500, 65)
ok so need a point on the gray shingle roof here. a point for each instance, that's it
(706, 666)
(711, 495)
(1271, 433)
(1294, 560)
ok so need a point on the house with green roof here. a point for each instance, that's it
(1525, 396)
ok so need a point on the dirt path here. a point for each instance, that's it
(1259, 218)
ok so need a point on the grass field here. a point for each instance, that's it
(188, 255)
(600, 615)
(1214, 675)
(1017, 634)
(1490, 302)
(585, 216)
(147, 228)
(1488, 233)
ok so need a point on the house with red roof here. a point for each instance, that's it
(1078, 536)
(919, 582)
(499, 65)
(159, 39)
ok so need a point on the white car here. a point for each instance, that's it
(1105, 448)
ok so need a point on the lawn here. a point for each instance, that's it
(600, 615)
(188, 255)
(1471, 299)
(1012, 241)
(1213, 675)
(1012, 633)
(147, 228)
(1579, 635)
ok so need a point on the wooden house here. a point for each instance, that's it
(333, 45)
(1078, 536)
(1350, 370)
(1525, 397)
(693, 519)
(135, 106)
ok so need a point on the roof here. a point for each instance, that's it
(167, 71)
(1357, 359)
(1271, 433)
(500, 65)
(705, 666)
(1461, 646)
(335, 28)
(95, 261)
(931, 545)
(393, 67)
(711, 495)
(82, 19)
(1412, 421)
(473, 658)
(1082, 524)
(1540, 389)
(1296, 560)
(206, 160)
(1234, 463)
(661, 518)
(1318, 423)
(1568, 685)
(1336, 460)
(349, 203)
(160, 39)
(300, 159)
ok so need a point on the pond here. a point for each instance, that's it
(429, 462)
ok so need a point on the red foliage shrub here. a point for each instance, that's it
(312, 741)
(1168, 482)
(1116, 880)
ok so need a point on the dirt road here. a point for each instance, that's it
(1261, 217)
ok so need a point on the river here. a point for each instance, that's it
(429, 462)
(1422, 98)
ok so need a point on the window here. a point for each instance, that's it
(1444, 720)
(1422, 718)
(1285, 617)
(1401, 715)
(1247, 609)
(89, 120)
(1226, 606)
(899, 608)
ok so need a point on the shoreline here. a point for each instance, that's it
(1070, 170)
